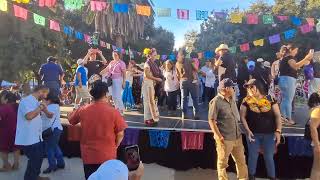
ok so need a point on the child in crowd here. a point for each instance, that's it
(171, 86)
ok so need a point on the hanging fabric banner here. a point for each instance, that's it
(318, 26)
(208, 54)
(267, 19)
(87, 38)
(131, 137)
(159, 139)
(172, 57)
(296, 21)
(192, 140)
(73, 4)
(68, 30)
(54, 25)
(40, 20)
(143, 10)
(164, 57)
(79, 35)
(183, 14)
(20, 12)
(274, 39)
(233, 49)
(236, 18)
(283, 18)
(120, 8)
(3, 5)
(47, 3)
(220, 15)
(306, 28)
(259, 42)
(98, 5)
(290, 34)
(22, 1)
(245, 47)
(310, 21)
(202, 15)
(163, 12)
(252, 19)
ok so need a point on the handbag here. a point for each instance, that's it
(109, 79)
(46, 134)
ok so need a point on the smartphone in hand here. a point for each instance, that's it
(132, 157)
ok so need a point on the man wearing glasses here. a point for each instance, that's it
(223, 120)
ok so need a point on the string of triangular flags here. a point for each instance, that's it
(22, 13)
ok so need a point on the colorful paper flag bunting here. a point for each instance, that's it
(306, 28)
(164, 57)
(102, 44)
(23, 1)
(73, 4)
(183, 14)
(220, 15)
(159, 138)
(202, 15)
(283, 18)
(79, 35)
(310, 21)
(3, 5)
(163, 12)
(274, 39)
(98, 5)
(114, 48)
(233, 49)
(120, 8)
(47, 3)
(259, 42)
(244, 47)
(87, 38)
(252, 19)
(68, 30)
(296, 21)
(267, 19)
(208, 54)
(54, 25)
(192, 140)
(236, 18)
(40, 20)
(290, 34)
(20, 12)
(143, 10)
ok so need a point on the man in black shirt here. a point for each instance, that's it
(226, 61)
(94, 66)
(315, 82)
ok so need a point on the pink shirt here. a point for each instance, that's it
(115, 69)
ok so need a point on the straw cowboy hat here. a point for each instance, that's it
(266, 64)
(221, 47)
(260, 60)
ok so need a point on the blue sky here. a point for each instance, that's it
(180, 27)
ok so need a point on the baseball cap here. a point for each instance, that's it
(251, 82)
(111, 170)
(224, 83)
(80, 61)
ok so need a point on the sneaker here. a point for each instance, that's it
(61, 167)
(49, 170)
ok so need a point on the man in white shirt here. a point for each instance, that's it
(210, 78)
(29, 131)
(204, 69)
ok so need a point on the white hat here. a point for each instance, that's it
(266, 64)
(260, 60)
(111, 170)
(221, 47)
(80, 61)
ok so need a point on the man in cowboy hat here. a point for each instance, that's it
(225, 61)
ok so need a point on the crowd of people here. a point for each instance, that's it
(254, 92)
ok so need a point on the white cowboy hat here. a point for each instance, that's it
(260, 60)
(221, 47)
(266, 64)
(80, 61)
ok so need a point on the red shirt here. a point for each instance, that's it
(100, 124)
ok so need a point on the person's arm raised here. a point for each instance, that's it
(297, 65)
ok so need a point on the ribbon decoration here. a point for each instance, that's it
(267, 19)
(306, 28)
(290, 34)
(236, 18)
(3, 5)
(98, 5)
(68, 30)
(47, 3)
(73, 4)
(233, 49)
(283, 18)
(163, 12)
(79, 35)
(40, 20)
(143, 10)
(310, 21)
(252, 19)
(259, 42)
(20, 12)
(202, 15)
(296, 21)
(131, 137)
(244, 47)
(120, 8)
(183, 14)
(54, 25)
(192, 140)
(274, 39)
(159, 139)
(23, 1)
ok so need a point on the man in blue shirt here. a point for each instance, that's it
(51, 74)
(81, 82)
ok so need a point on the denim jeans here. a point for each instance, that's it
(287, 86)
(54, 153)
(172, 100)
(267, 143)
(187, 87)
(54, 86)
(34, 153)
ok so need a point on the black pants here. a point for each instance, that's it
(90, 169)
(172, 100)
(210, 93)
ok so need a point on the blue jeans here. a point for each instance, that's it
(187, 87)
(54, 87)
(54, 153)
(267, 143)
(287, 86)
(35, 155)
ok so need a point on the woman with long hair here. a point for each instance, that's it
(288, 78)
(261, 118)
(152, 76)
